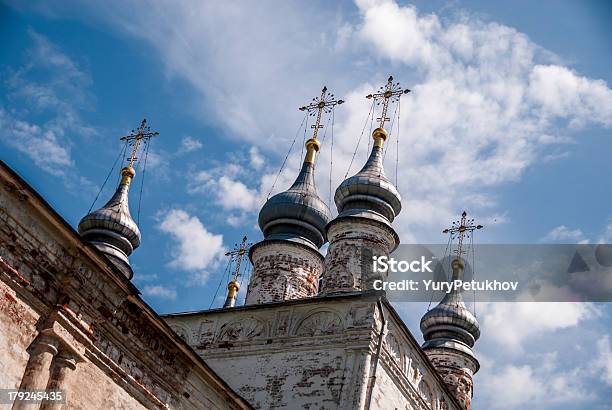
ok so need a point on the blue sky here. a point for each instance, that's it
(510, 118)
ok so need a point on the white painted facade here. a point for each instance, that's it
(316, 353)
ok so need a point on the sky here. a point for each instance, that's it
(509, 118)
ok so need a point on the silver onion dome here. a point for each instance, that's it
(111, 228)
(451, 320)
(370, 190)
(297, 214)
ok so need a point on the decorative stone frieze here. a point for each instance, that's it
(317, 352)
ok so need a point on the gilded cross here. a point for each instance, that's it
(390, 92)
(238, 254)
(319, 105)
(136, 137)
(461, 230)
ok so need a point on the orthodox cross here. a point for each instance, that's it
(319, 105)
(461, 230)
(390, 92)
(238, 254)
(136, 137)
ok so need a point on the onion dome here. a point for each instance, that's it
(111, 228)
(369, 192)
(451, 324)
(297, 214)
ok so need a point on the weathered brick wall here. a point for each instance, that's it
(314, 353)
(89, 387)
(405, 379)
(457, 371)
(17, 331)
(306, 380)
(283, 270)
(352, 244)
(69, 320)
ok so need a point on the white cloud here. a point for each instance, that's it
(65, 88)
(556, 156)
(195, 39)
(519, 366)
(43, 115)
(512, 324)
(42, 146)
(564, 234)
(567, 235)
(514, 386)
(189, 144)
(143, 277)
(199, 278)
(159, 291)
(606, 237)
(563, 93)
(540, 385)
(604, 359)
(482, 92)
(158, 163)
(194, 248)
(257, 160)
(223, 185)
(404, 35)
(234, 194)
(479, 86)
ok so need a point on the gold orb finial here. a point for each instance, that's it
(127, 173)
(312, 147)
(315, 144)
(457, 266)
(380, 135)
(233, 287)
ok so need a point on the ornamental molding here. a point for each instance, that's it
(244, 329)
(320, 322)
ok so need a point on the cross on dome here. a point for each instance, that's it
(136, 137)
(390, 92)
(319, 105)
(462, 229)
